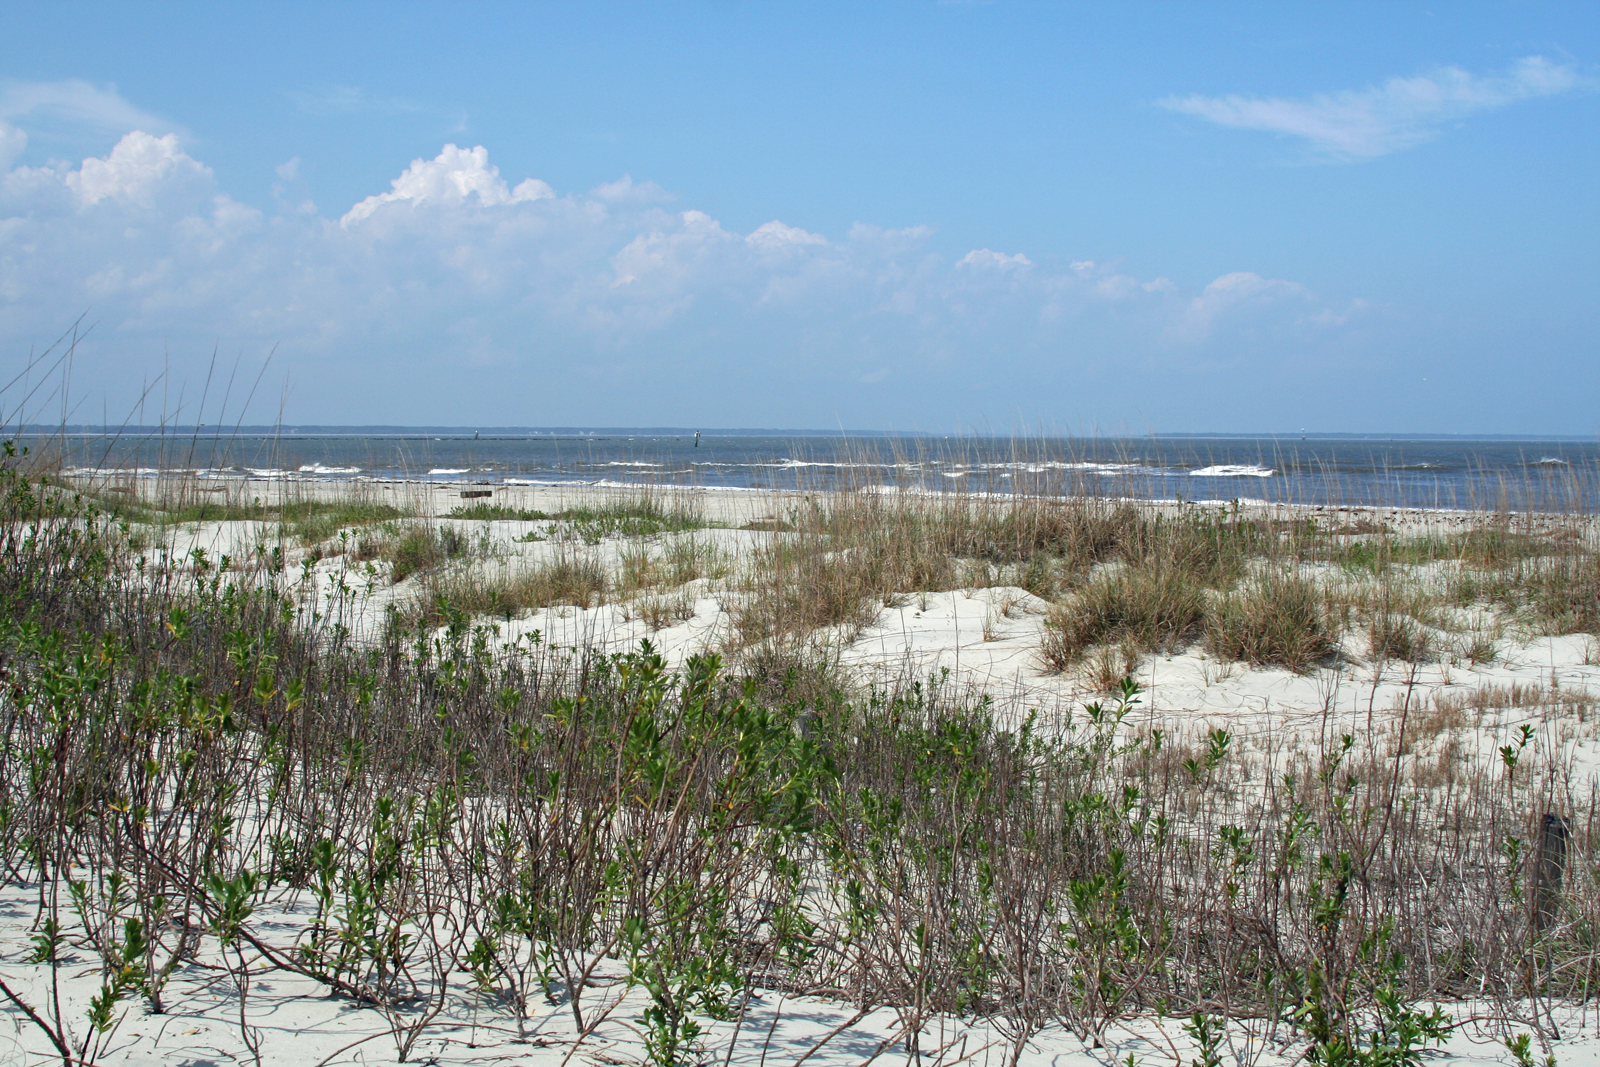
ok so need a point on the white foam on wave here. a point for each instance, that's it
(1233, 470)
(317, 468)
(450, 470)
(609, 483)
(106, 472)
(1045, 465)
(1079, 465)
(790, 464)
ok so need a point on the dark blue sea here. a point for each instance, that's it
(1418, 472)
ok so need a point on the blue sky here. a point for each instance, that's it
(1129, 217)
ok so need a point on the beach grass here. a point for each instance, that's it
(188, 501)
(495, 513)
(183, 742)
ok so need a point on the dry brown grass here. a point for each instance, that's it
(1476, 648)
(1146, 608)
(1156, 577)
(1565, 593)
(1276, 620)
(838, 561)
(419, 548)
(1109, 664)
(792, 588)
(1571, 703)
(1273, 588)
(1432, 719)
(668, 563)
(1393, 635)
(658, 611)
(647, 575)
(572, 577)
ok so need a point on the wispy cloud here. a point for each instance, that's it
(78, 102)
(1402, 112)
(61, 109)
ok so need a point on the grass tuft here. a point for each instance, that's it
(1392, 635)
(1148, 608)
(568, 579)
(422, 547)
(1276, 620)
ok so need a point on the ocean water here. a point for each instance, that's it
(1433, 473)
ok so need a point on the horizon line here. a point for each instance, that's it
(309, 429)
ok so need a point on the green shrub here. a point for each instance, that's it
(644, 516)
(496, 513)
(315, 521)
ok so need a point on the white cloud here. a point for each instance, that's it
(136, 169)
(671, 257)
(450, 178)
(79, 103)
(454, 270)
(1228, 295)
(1400, 113)
(12, 143)
(775, 236)
(981, 258)
(1328, 317)
(627, 191)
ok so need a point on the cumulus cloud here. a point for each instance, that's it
(455, 270)
(452, 177)
(984, 258)
(775, 236)
(1229, 295)
(1402, 112)
(137, 169)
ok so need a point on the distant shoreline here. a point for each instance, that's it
(305, 430)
